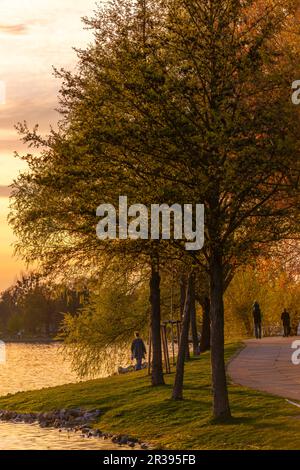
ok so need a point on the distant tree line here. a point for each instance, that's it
(33, 307)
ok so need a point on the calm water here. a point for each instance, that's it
(33, 366)
(25, 437)
(29, 367)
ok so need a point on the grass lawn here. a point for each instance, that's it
(131, 406)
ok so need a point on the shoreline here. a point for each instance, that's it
(73, 420)
(10, 340)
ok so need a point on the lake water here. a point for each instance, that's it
(34, 366)
(32, 437)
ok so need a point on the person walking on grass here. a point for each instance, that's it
(256, 312)
(286, 321)
(138, 351)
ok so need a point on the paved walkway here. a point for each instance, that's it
(266, 365)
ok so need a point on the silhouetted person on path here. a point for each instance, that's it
(138, 350)
(286, 321)
(257, 319)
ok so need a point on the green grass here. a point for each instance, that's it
(131, 406)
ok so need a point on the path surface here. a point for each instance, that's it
(266, 365)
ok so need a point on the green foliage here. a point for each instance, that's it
(102, 330)
(35, 305)
(172, 102)
(14, 324)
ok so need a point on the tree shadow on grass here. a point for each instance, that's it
(197, 387)
(232, 421)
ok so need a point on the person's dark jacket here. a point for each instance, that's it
(138, 348)
(256, 313)
(285, 317)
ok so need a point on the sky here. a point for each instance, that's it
(34, 36)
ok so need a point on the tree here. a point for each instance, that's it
(35, 305)
(157, 371)
(193, 320)
(62, 234)
(189, 300)
(8, 309)
(205, 334)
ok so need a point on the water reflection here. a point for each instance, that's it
(25, 436)
(34, 366)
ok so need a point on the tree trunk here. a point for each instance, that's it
(183, 291)
(178, 384)
(157, 369)
(205, 334)
(221, 409)
(193, 321)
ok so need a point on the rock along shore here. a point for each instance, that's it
(77, 420)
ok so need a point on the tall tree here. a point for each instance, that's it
(193, 320)
(177, 393)
(156, 370)
(84, 162)
(205, 333)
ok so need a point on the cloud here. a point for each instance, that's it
(5, 191)
(14, 29)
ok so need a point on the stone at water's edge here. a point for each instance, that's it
(32, 437)
(73, 420)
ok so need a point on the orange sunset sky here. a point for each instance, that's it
(34, 36)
